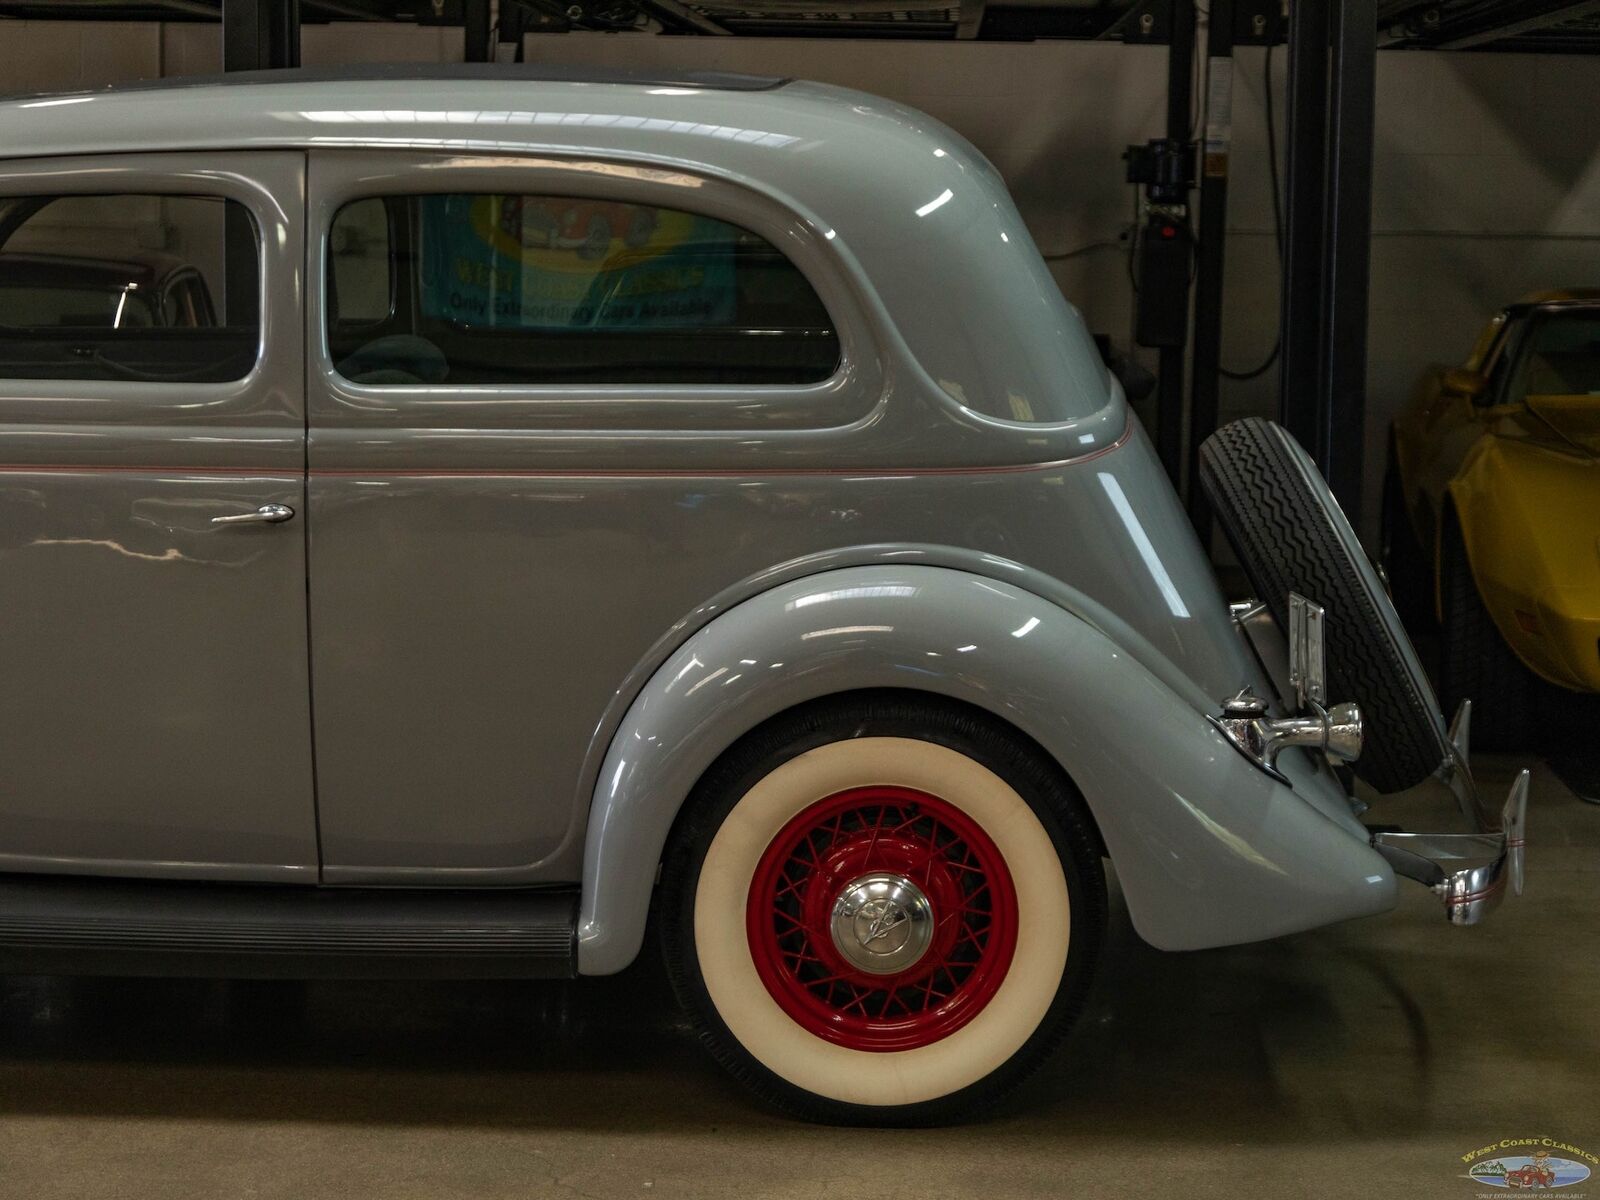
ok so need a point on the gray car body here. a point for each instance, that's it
(513, 626)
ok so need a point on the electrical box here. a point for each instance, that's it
(1162, 267)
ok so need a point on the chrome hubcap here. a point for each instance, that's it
(882, 923)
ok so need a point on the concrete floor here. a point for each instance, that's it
(1364, 1059)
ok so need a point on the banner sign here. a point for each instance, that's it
(548, 263)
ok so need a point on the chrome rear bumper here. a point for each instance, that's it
(1470, 872)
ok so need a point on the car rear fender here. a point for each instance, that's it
(1209, 849)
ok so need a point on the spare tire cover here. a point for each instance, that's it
(1290, 535)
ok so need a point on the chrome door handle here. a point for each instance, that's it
(267, 514)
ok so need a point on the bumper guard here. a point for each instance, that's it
(1470, 872)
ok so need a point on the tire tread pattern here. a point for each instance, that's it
(1286, 541)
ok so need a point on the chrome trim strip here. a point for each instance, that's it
(573, 472)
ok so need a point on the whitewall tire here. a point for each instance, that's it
(883, 908)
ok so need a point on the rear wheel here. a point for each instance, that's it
(882, 909)
(1475, 663)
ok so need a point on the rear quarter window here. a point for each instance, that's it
(507, 290)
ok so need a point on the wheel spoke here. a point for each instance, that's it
(888, 832)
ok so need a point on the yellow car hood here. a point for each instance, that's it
(1575, 418)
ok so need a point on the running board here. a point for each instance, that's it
(84, 926)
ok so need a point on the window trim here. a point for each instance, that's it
(251, 178)
(850, 394)
(1506, 351)
(433, 326)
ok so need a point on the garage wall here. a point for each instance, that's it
(1487, 168)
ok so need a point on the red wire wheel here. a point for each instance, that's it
(823, 858)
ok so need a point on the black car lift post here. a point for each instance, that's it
(475, 30)
(1214, 157)
(1328, 234)
(257, 35)
(1169, 376)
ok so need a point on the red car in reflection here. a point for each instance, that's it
(587, 226)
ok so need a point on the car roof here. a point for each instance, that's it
(825, 151)
(725, 81)
(720, 121)
(1559, 297)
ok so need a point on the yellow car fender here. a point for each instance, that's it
(1529, 516)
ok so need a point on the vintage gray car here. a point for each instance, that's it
(605, 500)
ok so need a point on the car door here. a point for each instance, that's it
(500, 522)
(154, 695)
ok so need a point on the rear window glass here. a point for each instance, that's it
(128, 287)
(497, 289)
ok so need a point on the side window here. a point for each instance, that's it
(508, 290)
(1559, 356)
(127, 287)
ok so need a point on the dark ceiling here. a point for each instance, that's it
(1556, 26)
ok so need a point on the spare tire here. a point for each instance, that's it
(1291, 536)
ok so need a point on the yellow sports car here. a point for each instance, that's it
(1491, 514)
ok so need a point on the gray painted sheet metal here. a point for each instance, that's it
(1208, 849)
(576, 525)
(499, 618)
